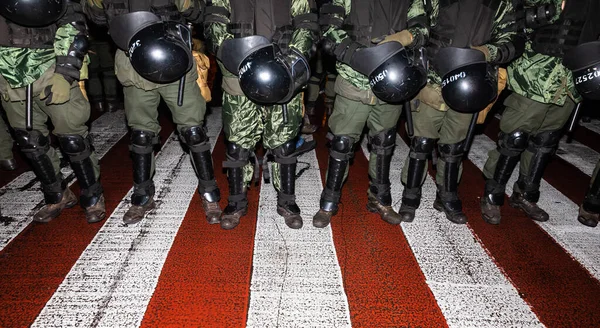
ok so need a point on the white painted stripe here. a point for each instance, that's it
(296, 278)
(594, 125)
(22, 197)
(580, 241)
(115, 277)
(469, 288)
(579, 155)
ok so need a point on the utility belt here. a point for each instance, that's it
(346, 89)
(431, 95)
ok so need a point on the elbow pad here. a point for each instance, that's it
(70, 65)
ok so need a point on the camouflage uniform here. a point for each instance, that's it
(323, 72)
(542, 100)
(245, 122)
(142, 98)
(356, 106)
(432, 117)
(48, 58)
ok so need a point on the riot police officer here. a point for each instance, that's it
(154, 54)
(355, 27)
(542, 100)
(43, 45)
(7, 161)
(267, 45)
(488, 26)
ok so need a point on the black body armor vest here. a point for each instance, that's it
(462, 23)
(578, 23)
(269, 18)
(371, 19)
(13, 35)
(165, 9)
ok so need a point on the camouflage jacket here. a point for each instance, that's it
(302, 39)
(359, 80)
(540, 77)
(503, 31)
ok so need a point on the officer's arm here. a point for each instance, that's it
(94, 10)
(215, 23)
(71, 43)
(418, 23)
(191, 10)
(507, 41)
(335, 40)
(306, 26)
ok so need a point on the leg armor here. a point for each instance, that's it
(382, 145)
(237, 158)
(79, 150)
(420, 149)
(339, 159)
(452, 155)
(542, 145)
(195, 138)
(35, 146)
(142, 154)
(510, 147)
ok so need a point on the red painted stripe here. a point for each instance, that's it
(573, 185)
(206, 278)
(382, 279)
(587, 137)
(36, 262)
(560, 291)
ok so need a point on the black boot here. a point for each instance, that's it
(380, 197)
(237, 207)
(197, 140)
(420, 149)
(510, 147)
(91, 199)
(286, 157)
(526, 191)
(589, 211)
(142, 154)
(446, 199)
(339, 159)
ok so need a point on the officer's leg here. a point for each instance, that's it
(312, 94)
(141, 109)
(109, 79)
(589, 211)
(346, 124)
(43, 159)
(382, 137)
(69, 125)
(542, 146)
(281, 139)
(427, 121)
(329, 92)
(94, 91)
(7, 161)
(189, 118)
(241, 118)
(449, 168)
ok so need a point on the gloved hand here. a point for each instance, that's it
(483, 49)
(58, 91)
(404, 37)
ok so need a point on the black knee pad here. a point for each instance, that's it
(195, 137)
(236, 152)
(142, 142)
(383, 143)
(77, 147)
(421, 145)
(545, 140)
(32, 143)
(341, 147)
(451, 153)
(513, 143)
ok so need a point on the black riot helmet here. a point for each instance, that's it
(584, 63)
(33, 13)
(395, 75)
(469, 83)
(158, 51)
(266, 75)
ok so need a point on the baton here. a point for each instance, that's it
(29, 107)
(182, 80)
(470, 133)
(409, 121)
(574, 120)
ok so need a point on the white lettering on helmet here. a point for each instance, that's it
(245, 68)
(453, 78)
(587, 77)
(134, 46)
(378, 78)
